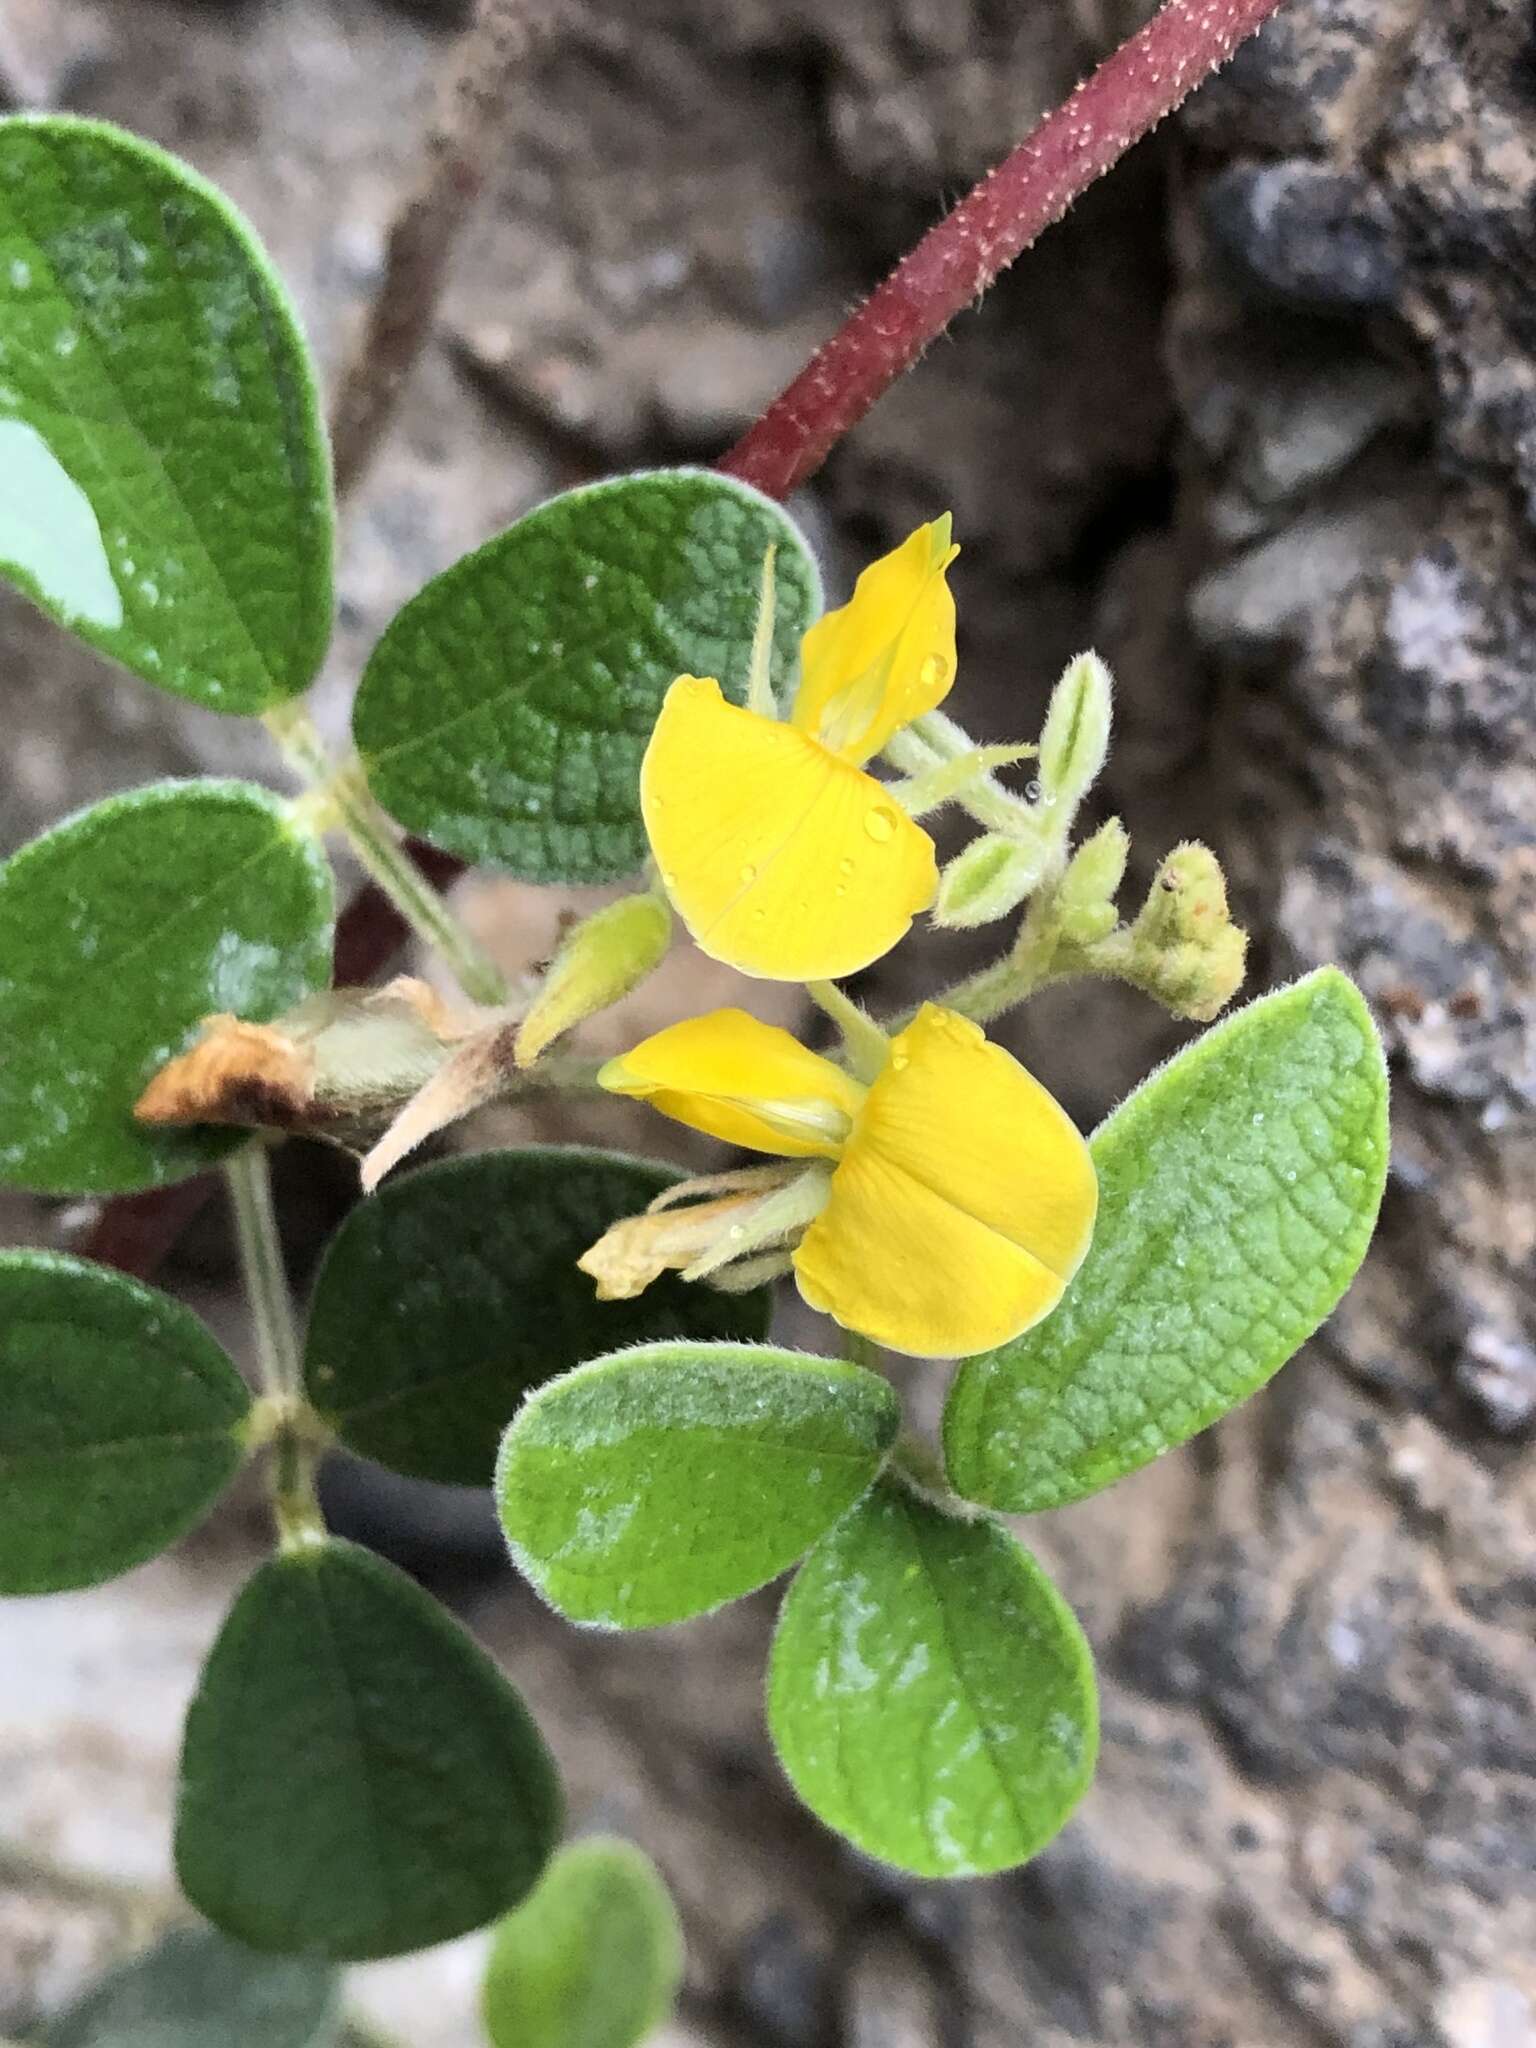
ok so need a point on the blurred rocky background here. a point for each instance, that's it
(1260, 422)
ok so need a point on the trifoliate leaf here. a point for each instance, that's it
(659, 1483)
(194, 1989)
(930, 1693)
(164, 481)
(358, 1779)
(119, 930)
(505, 711)
(119, 1422)
(455, 1291)
(1238, 1192)
(591, 1959)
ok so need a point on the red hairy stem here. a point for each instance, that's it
(1142, 83)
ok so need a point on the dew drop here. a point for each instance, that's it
(748, 873)
(934, 672)
(901, 1061)
(880, 823)
(670, 880)
(845, 867)
(758, 916)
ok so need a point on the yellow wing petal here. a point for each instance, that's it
(964, 1202)
(886, 656)
(739, 1079)
(782, 860)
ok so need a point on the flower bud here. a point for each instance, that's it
(1087, 897)
(989, 879)
(1185, 949)
(1076, 736)
(598, 963)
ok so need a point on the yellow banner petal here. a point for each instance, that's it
(784, 861)
(886, 656)
(747, 1082)
(964, 1202)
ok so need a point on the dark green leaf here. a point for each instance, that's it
(454, 1292)
(358, 1778)
(663, 1482)
(119, 1422)
(1239, 1189)
(591, 1959)
(194, 1989)
(504, 713)
(930, 1693)
(164, 482)
(121, 929)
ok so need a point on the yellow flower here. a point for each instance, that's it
(961, 1197)
(782, 856)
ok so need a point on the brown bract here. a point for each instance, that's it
(341, 1065)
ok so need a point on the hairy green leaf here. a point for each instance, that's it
(591, 1959)
(930, 1693)
(194, 1989)
(358, 1779)
(454, 1292)
(1239, 1189)
(119, 930)
(164, 481)
(119, 1422)
(504, 713)
(662, 1482)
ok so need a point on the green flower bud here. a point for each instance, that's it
(989, 879)
(1095, 872)
(598, 963)
(1076, 736)
(1184, 948)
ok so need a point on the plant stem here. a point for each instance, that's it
(867, 1046)
(279, 1364)
(345, 791)
(457, 153)
(1145, 80)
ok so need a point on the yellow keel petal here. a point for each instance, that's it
(736, 1078)
(783, 861)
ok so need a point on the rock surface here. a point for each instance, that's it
(1265, 428)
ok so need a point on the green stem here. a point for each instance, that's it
(867, 1046)
(861, 1350)
(936, 738)
(279, 1364)
(372, 838)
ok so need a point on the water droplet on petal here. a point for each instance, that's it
(934, 672)
(900, 1061)
(880, 823)
(670, 880)
(748, 873)
(845, 867)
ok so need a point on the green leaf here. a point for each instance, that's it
(194, 1989)
(454, 1292)
(592, 1959)
(120, 1422)
(504, 713)
(358, 1779)
(164, 477)
(1238, 1192)
(119, 930)
(661, 1483)
(930, 1693)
